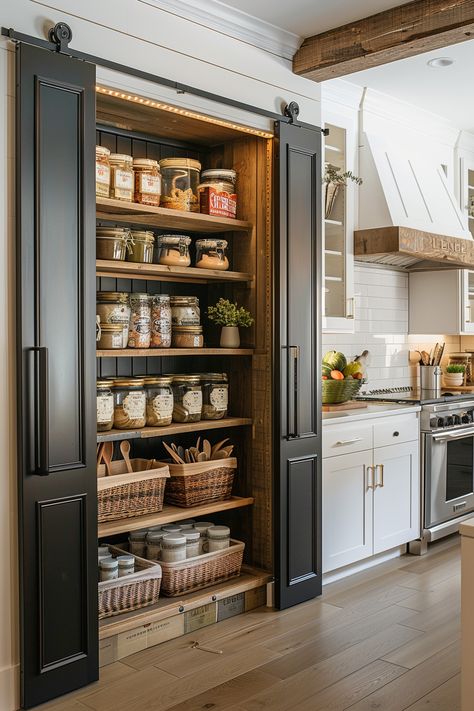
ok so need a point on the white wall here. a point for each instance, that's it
(139, 34)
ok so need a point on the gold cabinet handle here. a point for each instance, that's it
(370, 482)
(381, 482)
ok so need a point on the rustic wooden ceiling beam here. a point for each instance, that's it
(403, 31)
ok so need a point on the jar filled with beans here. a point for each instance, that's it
(129, 403)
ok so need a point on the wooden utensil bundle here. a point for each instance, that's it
(433, 358)
(194, 454)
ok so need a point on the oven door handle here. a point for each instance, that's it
(445, 437)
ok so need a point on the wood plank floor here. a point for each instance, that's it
(384, 639)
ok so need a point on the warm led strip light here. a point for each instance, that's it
(182, 112)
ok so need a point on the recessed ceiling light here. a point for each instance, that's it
(440, 62)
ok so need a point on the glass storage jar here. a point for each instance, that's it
(215, 395)
(187, 337)
(153, 544)
(121, 177)
(105, 406)
(217, 194)
(173, 548)
(108, 569)
(114, 307)
(187, 394)
(110, 336)
(126, 565)
(202, 527)
(173, 250)
(112, 243)
(141, 247)
(102, 171)
(160, 321)
(159, 401)
(180, 178)
(137, 542)
(139, 335)
(147, 181)
(218, 538)
(185, 311)
(129, 403)
(192, 542)
(212, 254)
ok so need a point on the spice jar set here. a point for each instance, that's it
(111, 568)
(139, 320)
(158, 400)
(176, 183)
(176, 542)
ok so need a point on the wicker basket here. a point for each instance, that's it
(131, 592)
(125, 495)
(337, 391)
(202, 571)
(194, 484)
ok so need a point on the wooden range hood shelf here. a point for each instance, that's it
(412, 249)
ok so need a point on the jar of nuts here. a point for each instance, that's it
(215, 395)
(139, 335)
(159, 401)
(129, 403)
(187, 394)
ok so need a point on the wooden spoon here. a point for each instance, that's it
(198, 443)
(125, 450)
(107, 454)
(173, 454)
(216, 447)
(187, 457)
(207, 449)
(202, 457)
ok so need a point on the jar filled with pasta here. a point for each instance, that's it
(185, 311)
(215, 395)
(173, 250)
(159, 401)
(147, 181)
(114, 307)
(129, 403)
(212, 254)
(180, 182)
(139, 334)
(187, 394)
(141, 247)
(160, 321)
(102, 171)
(105, 406)
(121, 177)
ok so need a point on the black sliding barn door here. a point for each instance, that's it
(297, 421)
(56, 373)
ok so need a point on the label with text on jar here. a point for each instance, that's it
(163, 406)
(219, 398)
(123, 179)
(102, 174)
(192, 401)
(150, 184)
(105, 408)
(134, 405)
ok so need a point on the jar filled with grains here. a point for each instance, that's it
(173, 548)
(185, 311)
(173, 250)
(187, 337)
(102, 171)
(139, 334)
(110, 336)
(114, 307)
(160, 321)
(147, 181)
(159, 401)
(211, 254)
(105, 407)
(129, 403)
(121, 177)
(215, 396)
(192, 542)
(218, 538)
(187, 394)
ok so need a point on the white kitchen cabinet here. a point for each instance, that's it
(441, 302)
(466, 189)
(371, 498)
(396, 495)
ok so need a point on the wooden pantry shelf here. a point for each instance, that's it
(169, 515)
(164, 218)
(159, 272)
(171, 352)
(175, 428)
(250, 579)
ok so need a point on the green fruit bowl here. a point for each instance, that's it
(339, 391)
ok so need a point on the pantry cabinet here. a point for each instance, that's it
(371, 493)
(454, 313)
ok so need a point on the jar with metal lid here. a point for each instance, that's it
(173, 548)
(180, 178)
(129, 403)
(141, 247)
(110, 336)
(192, 543)
(112, 243)
(137, 542)
(185, 311)
(114, 307)
(187, 393)
(202, 527)
(102, 171)
(160, 321)
(218, 538)
(147, 181)
(173, 250)
(139, 334)
(121, 177)
(159, 401)
(217, 194)
(108, 569)
(105, 406)
(153, 544)
(215, 395)
(212, 254)
(126, 565)
(187, 337)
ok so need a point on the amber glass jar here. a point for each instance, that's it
(102, 171)
(129, 403)
(180, 182)
(121, 177)
(147, 181)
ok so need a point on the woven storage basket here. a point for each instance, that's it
(131, 592)
(202, 571)
(125, 495)
(194, 484)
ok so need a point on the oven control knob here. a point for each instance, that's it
(449, 421)
(440, 422)
(465, 419)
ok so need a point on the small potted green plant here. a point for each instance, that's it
(334, 178)
(454, 375)
(230, 316)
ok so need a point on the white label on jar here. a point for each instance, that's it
(197, 341)
(219, 398)
(117, 339)
(123, 179)
(186, 316)
(192, 401)
(150, 184)
(134, 405)
(102, 174)
(163, 406)
(105, 408)
(162, 326)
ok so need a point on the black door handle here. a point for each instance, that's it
(293, 390)
(41, 411)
